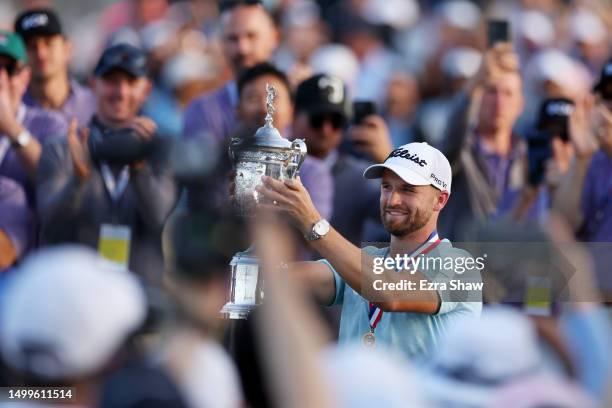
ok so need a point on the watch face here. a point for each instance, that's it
(321, 227)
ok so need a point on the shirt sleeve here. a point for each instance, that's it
(459, 267)
(15, 217)
(338, 282)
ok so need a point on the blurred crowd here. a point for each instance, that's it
(115, 120)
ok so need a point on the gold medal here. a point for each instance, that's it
(369, 339)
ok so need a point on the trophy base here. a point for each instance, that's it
(234, 312)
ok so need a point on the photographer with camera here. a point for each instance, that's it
(109, 185)
(549, 156)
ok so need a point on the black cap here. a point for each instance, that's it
(605, 77)
(38, 22)
(322, 94)
(122, 57)
(554, 115)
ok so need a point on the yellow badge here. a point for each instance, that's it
(114, 244)
(537, 301)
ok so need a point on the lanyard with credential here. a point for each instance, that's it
(115, 188)
(374, 312)
(5, 144)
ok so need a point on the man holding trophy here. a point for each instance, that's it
(415, 187)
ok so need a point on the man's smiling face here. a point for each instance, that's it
(405, 208)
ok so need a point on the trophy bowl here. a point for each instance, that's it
(265, 153)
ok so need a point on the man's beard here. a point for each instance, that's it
(412, 221)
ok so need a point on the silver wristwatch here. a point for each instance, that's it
(319, 230)
(23, 139)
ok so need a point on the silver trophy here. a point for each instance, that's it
(266, 153)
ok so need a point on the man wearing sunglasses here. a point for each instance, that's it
(321, 113)
(23, 129)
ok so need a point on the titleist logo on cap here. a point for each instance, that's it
(35, 20)
(405, 154)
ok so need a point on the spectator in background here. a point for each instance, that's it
(251, 109)
(251, 112)
(320, 116)
(67, 319)
(591, 39)
(550, 154)
(249, 37)
(377, 62)
(584, 195)
(336, 60)
(16, 223)
(458, 65)
(161, 41)
(551, 73)
(93, 191)
(186, 75)
(49, 53)
(303, 35)
(455, 23)
(487, 156)
(403, 97)
(534, 32)
(23, 129)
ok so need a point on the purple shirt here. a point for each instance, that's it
(81, 104)
(43, 125)
(15, 217)
(317, 178)
(596, 200)
(212, 115)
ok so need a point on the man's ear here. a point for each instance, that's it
(147, 86)
(441, 200)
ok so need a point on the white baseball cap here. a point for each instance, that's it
(66, 312)
(418, 164)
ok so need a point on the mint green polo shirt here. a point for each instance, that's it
(414, 334)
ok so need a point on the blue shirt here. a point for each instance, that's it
(212, 115)
(81, 104)
(44, 125)
(415, 334)
(596, 200)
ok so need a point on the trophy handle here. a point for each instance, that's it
(299, 154)
(231, 150)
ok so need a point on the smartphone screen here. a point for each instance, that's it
(361, 109)
(498, 31)
(539, 150)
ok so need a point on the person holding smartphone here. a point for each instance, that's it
(487, 156)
